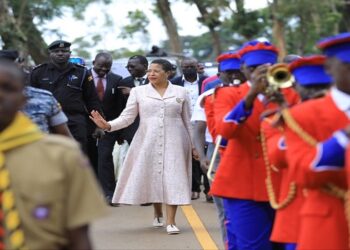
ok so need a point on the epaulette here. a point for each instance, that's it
(39, 66)
(80, 66)
(201, 98)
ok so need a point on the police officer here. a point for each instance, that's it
(71, 84)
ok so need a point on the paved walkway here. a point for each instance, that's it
(130, 227)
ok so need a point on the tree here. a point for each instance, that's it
(344, 9)
(210, 11)
(301, 24)
(11, 35)
(22, 19)
(248, 24)
(164, 12)
(138, 25)
(278, 29)
(35, 43)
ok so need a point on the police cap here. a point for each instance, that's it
(9, 54)
(58, 44)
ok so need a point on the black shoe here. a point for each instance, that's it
(146, 204)
(113, 204)
(209, 198)
(110, 202)
(195, 196)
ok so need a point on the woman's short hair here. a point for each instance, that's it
(166, 65)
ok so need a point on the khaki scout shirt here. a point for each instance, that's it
(55, 190)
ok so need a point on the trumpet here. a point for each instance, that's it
(278, 77)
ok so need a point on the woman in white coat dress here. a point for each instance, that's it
(157, 168)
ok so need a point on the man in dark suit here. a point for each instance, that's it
(190, 75)
(193, 83)
(137, 66)
(113, 102)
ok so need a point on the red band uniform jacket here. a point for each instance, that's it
(241, 173)
(323, 224)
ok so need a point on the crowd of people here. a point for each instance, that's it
(269, 148)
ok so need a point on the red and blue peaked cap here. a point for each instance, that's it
(255, 53)
(336, 46)
(310, 70)
(229, 61)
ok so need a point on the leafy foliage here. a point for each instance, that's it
(138, 23)
(229, 23)
(306, 23)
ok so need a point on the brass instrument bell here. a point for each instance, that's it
(278, 77)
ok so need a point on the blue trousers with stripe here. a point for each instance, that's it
(249, 224)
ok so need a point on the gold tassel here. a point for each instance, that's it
(269, 185)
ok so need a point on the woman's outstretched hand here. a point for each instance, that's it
(99, 120)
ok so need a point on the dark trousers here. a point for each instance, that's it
(92, 152)
(197, 174)
(105, 163)
(78, 127)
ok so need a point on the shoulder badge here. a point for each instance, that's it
(90, 78)
(59, 106)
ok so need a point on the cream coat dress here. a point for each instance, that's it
(158, 165)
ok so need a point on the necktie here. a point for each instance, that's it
(140, 80)
(100, 89)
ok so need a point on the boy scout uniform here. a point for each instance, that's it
(54, 192)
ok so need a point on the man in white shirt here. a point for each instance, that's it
(193, 84)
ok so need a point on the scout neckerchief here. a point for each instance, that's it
(22, 131)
